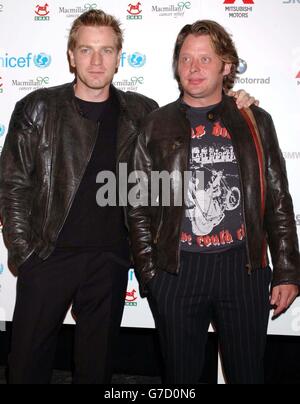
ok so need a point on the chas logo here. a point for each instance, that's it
(135, 11)
(42, 13)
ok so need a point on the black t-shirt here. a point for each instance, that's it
(214, 219)
(88, 225)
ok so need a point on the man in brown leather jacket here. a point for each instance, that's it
(205, 259)
(66, 249)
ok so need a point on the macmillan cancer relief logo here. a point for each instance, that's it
(76, 11)
(133, 84)
(42, 12)
(173, 10)
(1, 86)
(31, 84)
(134, 11)
(242, 69)
(238, 8)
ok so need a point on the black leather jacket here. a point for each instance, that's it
(46, 152)
(164, 144)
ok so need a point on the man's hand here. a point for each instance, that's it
(243, 99)
(282, 297)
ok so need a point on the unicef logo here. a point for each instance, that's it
(137, 60)
(242, 68)
(2, 130)
(42, 60)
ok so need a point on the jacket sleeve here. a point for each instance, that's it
(16, 168)
(280, 218)
(139, 212)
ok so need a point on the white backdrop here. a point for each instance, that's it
(33, 38)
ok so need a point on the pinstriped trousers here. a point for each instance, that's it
(212, 288)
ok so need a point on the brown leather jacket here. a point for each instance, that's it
(164, 144)
(46, 152)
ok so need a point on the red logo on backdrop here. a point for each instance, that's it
(134, 9)
(131, 296)
(42, 11)
(244, 1)
(297, 77)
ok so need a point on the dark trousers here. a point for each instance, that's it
(90, 281)
(212, 288)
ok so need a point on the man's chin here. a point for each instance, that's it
(96, 86)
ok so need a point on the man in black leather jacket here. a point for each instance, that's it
(64, 247)
(205, 259)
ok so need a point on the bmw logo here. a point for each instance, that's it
(242, 67)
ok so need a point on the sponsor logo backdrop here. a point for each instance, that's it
(33, 39)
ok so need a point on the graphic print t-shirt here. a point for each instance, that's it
(214, 219)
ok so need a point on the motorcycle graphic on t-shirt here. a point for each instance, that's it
(206, 208)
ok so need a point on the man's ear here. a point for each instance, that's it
(72, 59)
(227, 69)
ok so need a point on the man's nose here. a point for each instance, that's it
(97, 59)
(195, 67)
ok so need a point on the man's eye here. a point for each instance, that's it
(205, 60)
(108, 51)
(85, 51)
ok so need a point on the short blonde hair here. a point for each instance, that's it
(95, 18)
